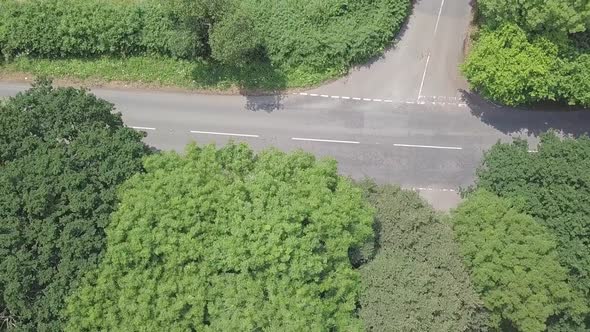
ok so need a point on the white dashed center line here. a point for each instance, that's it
(324, 140)
(222, 134)
(142, 128)
(428, 146)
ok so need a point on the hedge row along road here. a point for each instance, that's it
(402, 118)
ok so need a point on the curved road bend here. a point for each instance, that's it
(372, 122)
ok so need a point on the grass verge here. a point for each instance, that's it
(165, 72)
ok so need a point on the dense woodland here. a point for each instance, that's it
(531, 51)
(98, 232)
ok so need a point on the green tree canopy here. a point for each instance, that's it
(417, 280)
(225, 240)
(553, 186)
(514, 264)
(505, 66)
(563, 16)
(62, 154)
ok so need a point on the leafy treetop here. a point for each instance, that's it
(226, 240)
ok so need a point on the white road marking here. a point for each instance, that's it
(324, 96)
(346, 98)
(335, 97)
(435, 189)
(303, 94)
(533, 151)
(410, 102)
(388, 101)
(378, 100)
(313, 94)
(222, 134)
(438, 18)
(323, 140)
(356, 98)
(424, 76)
(428, 146)
(367, 99)
(142, 128)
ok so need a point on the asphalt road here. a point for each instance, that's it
(402, 119)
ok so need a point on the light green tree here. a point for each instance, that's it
(225, 240)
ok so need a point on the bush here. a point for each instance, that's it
(75, 28)
(417, 280)
(561, 16)
(226, 240)
(505, 66)
(62, 155)
(327, 34)
(514, 264)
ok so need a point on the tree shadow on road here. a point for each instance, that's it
(531, 121)
(261, 83)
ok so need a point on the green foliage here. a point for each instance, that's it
(532, 51)
(327, 34)
(514, 264)
(62, 154)
(553, 186)
(233, 40)
(315, 39)
(505, 66)
(73, 28)
(562, 16)
(226, 240)
(574, 82)
(417, 280)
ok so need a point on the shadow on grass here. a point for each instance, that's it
(262, 84)
(531, 121)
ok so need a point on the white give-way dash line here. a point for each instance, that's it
(324, 140)
(429, 146)
(222, 134)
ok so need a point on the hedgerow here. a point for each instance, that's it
(310, 37)
(85, 29)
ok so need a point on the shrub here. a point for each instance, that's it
(543, 16)
(75, 28)
(505, 66)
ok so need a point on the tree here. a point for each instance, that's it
(226, 240)
(417, 280)
(553, 186)
(62, 155)
(506, 67)
(514, 264)
(548, 16)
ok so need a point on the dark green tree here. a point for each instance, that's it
(553, 186)
(225, 240)
(62, 155)
(514, 264)
(417, 280)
